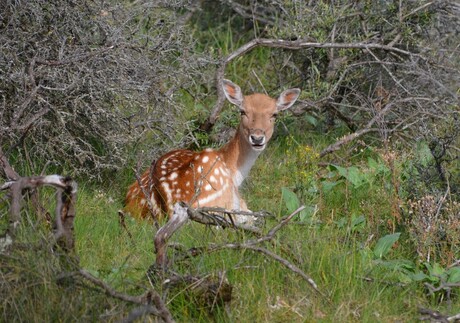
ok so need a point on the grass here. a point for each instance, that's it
(335, 252)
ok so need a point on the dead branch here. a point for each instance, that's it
(286, 44)
(65, 206)
(162, 236)
(150, 301)
(368, 128)
(180, 216)
(436, 316)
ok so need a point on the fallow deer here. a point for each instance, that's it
(211, 178)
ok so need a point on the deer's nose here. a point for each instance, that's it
(257, 140)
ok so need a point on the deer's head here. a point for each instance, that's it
(258, 112)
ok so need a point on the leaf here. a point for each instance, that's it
(311, 120)
(306, 214)
(357, 222)
(328, 185)
(397, 264)
(420, 276)
(384, 244)
(454, 275)
(352, 174)
(435, 270)
(290, 199)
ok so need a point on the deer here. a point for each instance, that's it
(211, 178)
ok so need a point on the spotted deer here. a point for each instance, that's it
(210, 178)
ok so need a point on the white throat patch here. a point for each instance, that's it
(243, 170)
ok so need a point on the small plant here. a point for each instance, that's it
(292, 203)
(303, 160)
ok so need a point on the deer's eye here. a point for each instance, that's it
(274, 115)
(242, 113)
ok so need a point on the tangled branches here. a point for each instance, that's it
(82, 81)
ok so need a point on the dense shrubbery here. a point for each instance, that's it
(81, 82)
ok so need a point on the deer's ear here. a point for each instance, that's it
(232, 92)
(287, 99)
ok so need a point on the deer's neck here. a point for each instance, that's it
(239, 157)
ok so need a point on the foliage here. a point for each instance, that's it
(82, 82)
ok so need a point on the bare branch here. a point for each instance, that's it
(286, 44)
(151, 300)
(65, 206)
(180, 216)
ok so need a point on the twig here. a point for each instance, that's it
(145, 299)
(180, 216)
(65, 205)
(285, 44)
(368, 128)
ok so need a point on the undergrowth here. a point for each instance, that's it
(347, 239)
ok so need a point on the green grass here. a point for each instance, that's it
(335, 251)
(334, 248)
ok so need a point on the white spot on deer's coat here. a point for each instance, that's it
(212, 179)
(223, 171)
(205, 159)
(173, 176)
(216, 171)
(208, 187)
(168, 192)
(212, 197)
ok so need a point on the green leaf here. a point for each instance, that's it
(384, 244)
(454, 275)
(306, 214)
(290, 199)
(357, 222)
(311, 120)
(328, 185)
(420, 276)
(352, 174)
(435, 269)
(397, 264)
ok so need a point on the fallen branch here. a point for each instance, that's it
(436, 316)
(150, 301)
(208, 216)
(66, 198)
(182, 214)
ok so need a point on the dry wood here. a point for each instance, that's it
(285, 44)
(150, 301)
(66, 196)
(182, 213)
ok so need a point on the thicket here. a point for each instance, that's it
(96, 89)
